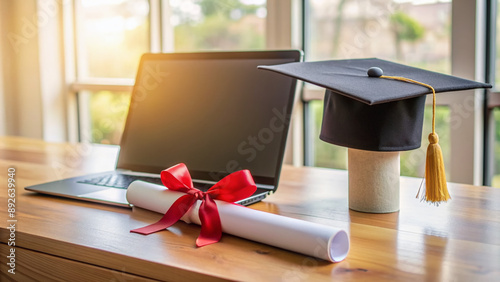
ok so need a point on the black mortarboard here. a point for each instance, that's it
(376, 105)
(371, 113)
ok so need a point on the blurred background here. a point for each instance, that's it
(68, 67)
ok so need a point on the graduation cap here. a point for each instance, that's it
(377, 105)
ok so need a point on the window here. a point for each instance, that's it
(495, 182)
(415, 33)
(108, 110)
(111, 36)
(409, 31)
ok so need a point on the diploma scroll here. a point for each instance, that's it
(304, 237)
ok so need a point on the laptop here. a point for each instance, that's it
(213, 111)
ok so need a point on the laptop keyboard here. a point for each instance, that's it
(122, 181)
(119, 180)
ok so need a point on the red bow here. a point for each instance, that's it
(234, 187)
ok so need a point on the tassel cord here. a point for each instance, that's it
(423, 84)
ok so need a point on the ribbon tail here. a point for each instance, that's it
(174, 213)
(211, 228)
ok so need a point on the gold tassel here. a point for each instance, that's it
(436, 190)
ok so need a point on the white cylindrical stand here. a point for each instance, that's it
(373, 181)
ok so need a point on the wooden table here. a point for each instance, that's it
(72, 240)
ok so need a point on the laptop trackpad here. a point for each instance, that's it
(108, 195)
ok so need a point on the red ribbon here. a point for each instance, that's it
(234, 187)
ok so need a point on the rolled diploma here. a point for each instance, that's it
(304, 237)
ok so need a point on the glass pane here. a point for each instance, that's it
(111, 37)
(113, 34)
(497, 65)
(325, 154)
(108, 111)
(413, 32)
(218, 25)
(496, 176)
(412, 162)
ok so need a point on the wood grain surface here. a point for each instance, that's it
(66, 239)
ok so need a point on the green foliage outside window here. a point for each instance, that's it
(496, 149)
(222, 25)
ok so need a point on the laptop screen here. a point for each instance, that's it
(215, 112)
